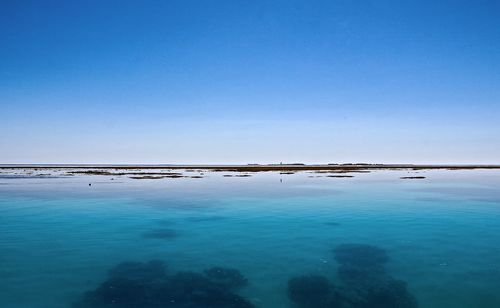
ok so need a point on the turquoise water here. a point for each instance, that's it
(59, 237)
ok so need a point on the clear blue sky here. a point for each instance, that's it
(249, 81)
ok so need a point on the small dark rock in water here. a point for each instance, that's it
(360, 255)
(90, 184)
(160, 234)
(412, 177)
(147, 285)
(226, 278)
(312, 291)
(174, 176)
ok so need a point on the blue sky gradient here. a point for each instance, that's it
(250, 81)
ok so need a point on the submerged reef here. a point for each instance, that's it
(150, 285)
(312, 291)
(363, 283)
(227, 278)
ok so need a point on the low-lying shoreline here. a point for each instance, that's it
(252, 167)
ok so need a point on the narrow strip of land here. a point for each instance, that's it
(253, 167)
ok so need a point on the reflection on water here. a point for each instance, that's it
(368, 241)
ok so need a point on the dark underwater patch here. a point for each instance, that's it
(149, 285)
(364, 283)
(389, 293)
(164, 234)
(312, 291)
(226, 278)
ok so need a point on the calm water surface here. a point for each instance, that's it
(60, 237)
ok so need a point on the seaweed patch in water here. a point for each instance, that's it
(386, 293)
(148, 285)
(227, 278)
(160, 234)
(364, 283)
(312, 291)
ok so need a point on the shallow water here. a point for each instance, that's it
(59, 237)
